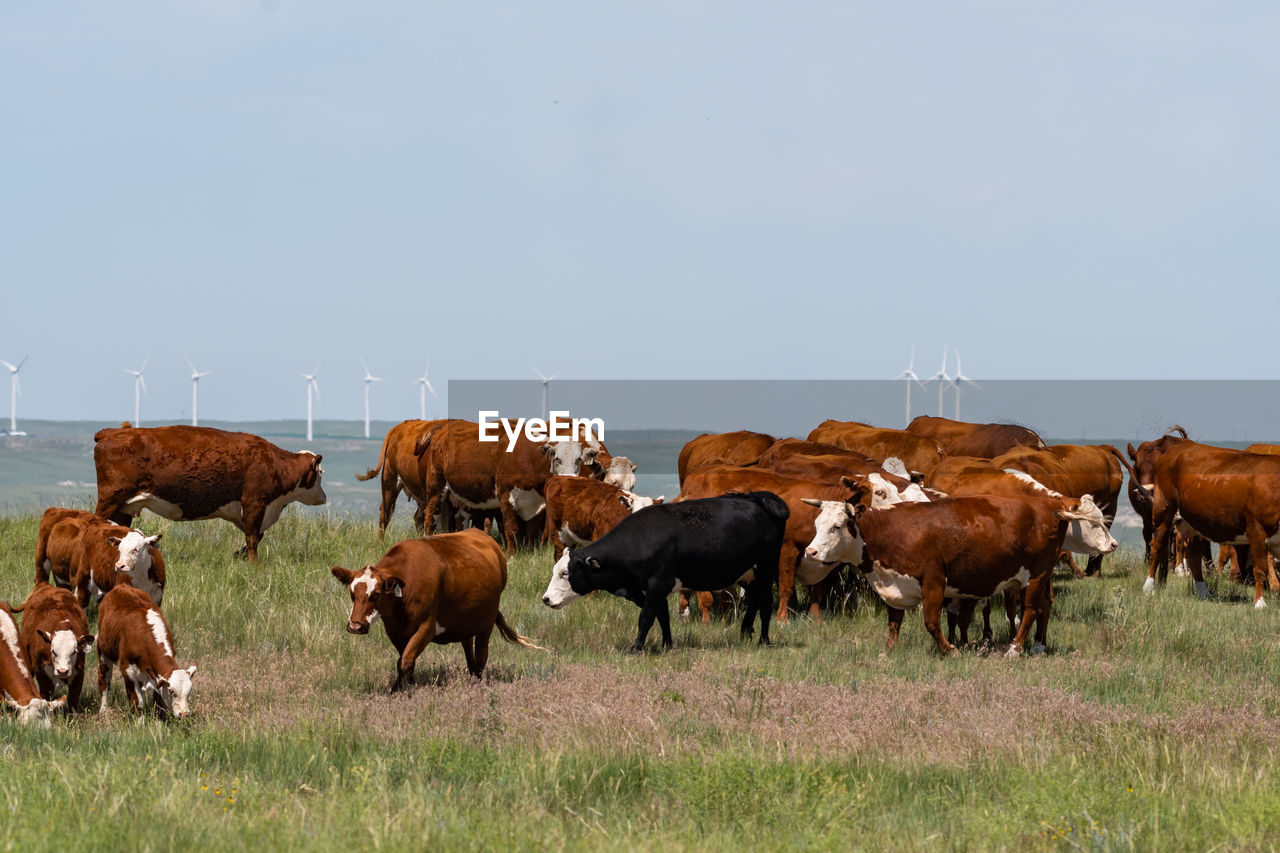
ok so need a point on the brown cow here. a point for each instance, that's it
(916, 453)
(961, 438)
(16, 685)
(91, 555)
(186, 473)
(1141, 482)
(725, 448)
(443, 589)
(55, 639)
(133, 634)
(1226, 496)
(581, 510)
(400, 471)
(973, 547)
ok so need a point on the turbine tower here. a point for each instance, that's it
(14, 390)
(195, 384)
(369, 379)
(424, 385)
(959, 380)
(942, 379)
(139, 385)
(546, 380)
(311, 383)
(910, 375)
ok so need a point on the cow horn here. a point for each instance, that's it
(811, 501)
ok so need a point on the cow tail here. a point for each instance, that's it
(382, 457)
(509, 634)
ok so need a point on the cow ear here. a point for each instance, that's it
(86, 643)
(633, 467)
(659, 499)
(344, 576)
(152, 540)
(191, 671)
(46, 636)
(113, 541)
(625, 500)
(593, 562)
(395, 586)
(1133, 454)
(917, 477)
(548, 449)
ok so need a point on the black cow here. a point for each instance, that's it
(698, 544)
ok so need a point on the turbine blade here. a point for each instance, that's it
(432, 390)
(10, 366)
(144, 364)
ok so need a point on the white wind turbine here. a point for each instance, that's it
(195, 385)
(424, 385)
(546, 380)
(910, 375)
(942, 379)
(139, 385)
(369, 379)
(311, 384)
(959, 380)
(15, 390)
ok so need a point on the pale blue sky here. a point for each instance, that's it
(629, 190)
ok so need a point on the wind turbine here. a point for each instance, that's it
(369, 379)
(15, 390)
(546, 380)
(311, 383)
(424, 385)
(910, 375)
(195, 384)
(139, 385)
(942, 379)
(959, 380)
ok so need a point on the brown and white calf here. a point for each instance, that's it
(55, 639)
(581, 510)
(16, 685)
(91, 555)
(976, 547)
(442, 589)
(133, 635)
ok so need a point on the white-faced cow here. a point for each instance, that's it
(700, 544)
(91, 555)
(133, 635)
(188, 473)
(55, 639)
(16, 686)
(442, 589)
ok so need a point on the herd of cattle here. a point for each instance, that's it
(945, 514)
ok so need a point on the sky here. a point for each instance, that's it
(745, 190)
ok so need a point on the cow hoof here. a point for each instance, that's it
(1149, 586)
(633, 651)
(1038, 649)
(1202, 589)
(1260, 604)
(1014, 652)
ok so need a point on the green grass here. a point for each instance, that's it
(1150, 723)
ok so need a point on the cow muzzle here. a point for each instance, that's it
(354, 627)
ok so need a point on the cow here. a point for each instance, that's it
(16, 686)
(785, 449)
(702, 544)
(400, 471)
(55, 639)
(133, 635)
(961, 438)
(803, 499)
(726, 448)
(1226, 496)
(186, 473)
(976, 547)
(90, 555)
(581, 510)
(916, 452)
(1144, 458)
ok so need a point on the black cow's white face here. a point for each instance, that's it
(559, 592)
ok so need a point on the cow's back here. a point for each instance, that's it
(460, 575)
(733, 448)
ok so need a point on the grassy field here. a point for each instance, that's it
(1149, 724)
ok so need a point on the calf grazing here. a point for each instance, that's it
(16, 686)
(580, 510)
(700, 544)
(192, 473)
(55, 639)
(134, 635)
(961, 548)
(442, 589)
(81, 551)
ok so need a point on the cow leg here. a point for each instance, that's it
(390, 494)
(44, 684)
(788, 561)
(1197, 550)
(1032, 597)
(469, 652)
(759, 602)
(510, 521)
(104, 681)
(932, 591)
(111, 507)
(655, 607)
(1261, 562)
(482, 652)
(1162, 517)
(409, 655)
(75, 687)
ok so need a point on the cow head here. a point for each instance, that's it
(64, 648)
(134, 550)
(370, 591)
(621, 473)
(1087, 531)
(559, 593)
(310, 492)
(567, 457)
(38, 711)
(836, 538)
(173, 691)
